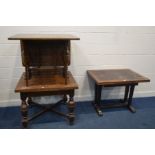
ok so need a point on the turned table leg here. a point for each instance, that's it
(24, 111)
(29, 101)
(71, 107)
(65, 99)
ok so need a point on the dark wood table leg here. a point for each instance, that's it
(126, 94)
(24, 110)
(29, 101)
(97, 102)
(71, 107)
(65, 99)
(131, 108)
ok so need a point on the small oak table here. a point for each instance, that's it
(44, 85)
(115, 77)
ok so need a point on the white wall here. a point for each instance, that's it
(99, 47)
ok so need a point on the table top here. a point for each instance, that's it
(43, 37)
(116, 76)
(44, 83)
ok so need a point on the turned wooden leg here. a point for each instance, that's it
(71, 107)
(24, 111)
(29, 101)
(65, 99)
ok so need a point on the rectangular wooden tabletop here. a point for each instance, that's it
(43, 37)
(44, 83)
(116, 76)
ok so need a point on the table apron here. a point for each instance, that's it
(34, 94)
(119, 85)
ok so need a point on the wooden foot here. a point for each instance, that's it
(98, 109)
(132, 109)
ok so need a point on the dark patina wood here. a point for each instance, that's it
(115, 77)
(45, 51)
(44, 86)
(46, 58)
